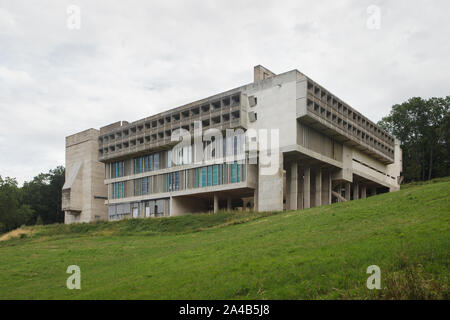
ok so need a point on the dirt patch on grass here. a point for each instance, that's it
(17, 233)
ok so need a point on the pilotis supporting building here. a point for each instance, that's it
(282, 142)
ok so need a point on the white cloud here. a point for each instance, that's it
(132, 59)
(7, 22)
(14, 77)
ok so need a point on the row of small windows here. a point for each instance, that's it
(212, 175)
(179, 156)
(150, 208)
(118, 190)
(146, 163)
(117, 169)
(207, 108)
(167, 134)
(331, 116)
(347, 111)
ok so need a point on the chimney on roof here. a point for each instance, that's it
(261, 73)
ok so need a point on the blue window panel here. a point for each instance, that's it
(204, 177)
(209, 175)
(156, 161)
(214, 175)
(233, 172)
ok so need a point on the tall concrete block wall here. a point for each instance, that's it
(84, 191)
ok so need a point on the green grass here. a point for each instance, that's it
(320, 253)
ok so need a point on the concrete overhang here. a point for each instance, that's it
(340, 135)
(312, 158)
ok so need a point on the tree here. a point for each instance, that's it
(13, 213)
(43, 194)
(422, 126)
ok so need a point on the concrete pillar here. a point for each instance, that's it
(373, 191)
(347, 191)
(270, 185)
(363, 192)
(229, 207)
(330, 187)
(287, 191)
(255, 201)
(355, 191)
(293, 187)
(216, 202)
(307, 188)
(318, 188)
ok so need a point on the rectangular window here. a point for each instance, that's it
(204, 177)
(118, 169)
(214, 175)
(118, 190)
(209, 175)
(156, 161)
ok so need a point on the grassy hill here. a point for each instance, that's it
(320, 253)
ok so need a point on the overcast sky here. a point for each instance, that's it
(131, 59)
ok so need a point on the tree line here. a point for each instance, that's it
(36, 202)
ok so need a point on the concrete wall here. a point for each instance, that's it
(184, 205)
(84, 189)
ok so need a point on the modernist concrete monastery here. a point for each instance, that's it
(282, 142)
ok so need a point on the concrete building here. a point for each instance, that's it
(282, 142)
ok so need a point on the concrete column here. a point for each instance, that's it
(330, 187)
(293, 187)
(318, 191)
(363, 192)
(255, 201)
(307, 188)
(216, 202)
(373, 191)
(347, 191)
(355, 191)
(229, 207)
(287, 191)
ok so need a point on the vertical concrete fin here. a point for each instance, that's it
(261, 73)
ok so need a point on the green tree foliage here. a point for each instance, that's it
(37, 202)
(43, 195)
(13, 213)
(423, 127)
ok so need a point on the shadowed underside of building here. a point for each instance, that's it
(328, 152)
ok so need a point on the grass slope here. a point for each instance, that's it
(320, 253)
